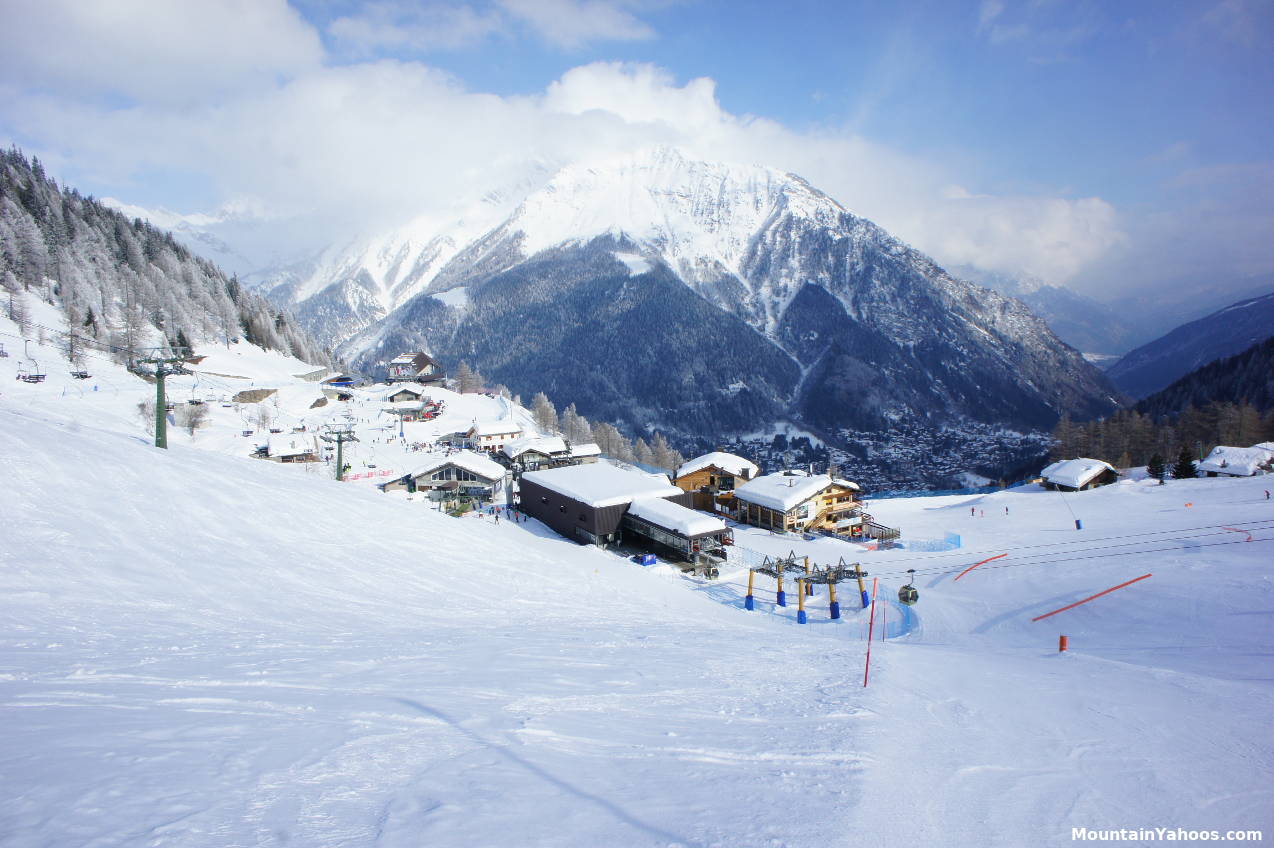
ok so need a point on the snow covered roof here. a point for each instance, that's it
(735, 465)
(504, 427)
(407, 358)
(487, 469)
(586, 449)
(406, 406)
(602, 484)
(547, 445)
(414, 388)
(784, 490)
(673, 516)
(290, 444)
(1239, 462)
(1075, 473)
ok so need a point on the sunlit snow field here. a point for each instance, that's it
(202, 649)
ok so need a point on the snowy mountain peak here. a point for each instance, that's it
(683, 209)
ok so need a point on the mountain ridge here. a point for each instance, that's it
(750, 242)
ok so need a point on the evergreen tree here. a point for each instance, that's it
(1156, 467)
(1185, 468)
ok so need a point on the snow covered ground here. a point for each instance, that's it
(202, 649)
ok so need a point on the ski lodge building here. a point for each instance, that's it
(797, 501)
(462, 473)
(600, 504)
(417, 367)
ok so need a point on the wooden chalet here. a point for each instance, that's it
(415, 367)
(586, 452)
(461, 474)
(1225, 461)
(797, 501)
(713, 478)
(1074, 475)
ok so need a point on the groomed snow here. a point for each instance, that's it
(728, 462)
(672, 516)
(203, 650)
(784, 490)
(602, 484)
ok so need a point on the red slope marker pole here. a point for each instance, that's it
(976, 564)
(871, 625)
(1090, 598)
(1237, 530)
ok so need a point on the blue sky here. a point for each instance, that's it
(1102, 145)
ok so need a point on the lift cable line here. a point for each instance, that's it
(1080, 558)
(966, 553)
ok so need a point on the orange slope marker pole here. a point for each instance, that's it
(976, 564)
(1090, 598)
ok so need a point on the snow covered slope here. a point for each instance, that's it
(201, 649)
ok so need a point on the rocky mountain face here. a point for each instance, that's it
(710, 299)
(1226, 332)
(1098, 329)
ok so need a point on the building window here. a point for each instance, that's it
(562, 508)
(544, 499)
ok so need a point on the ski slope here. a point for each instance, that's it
(202, 649)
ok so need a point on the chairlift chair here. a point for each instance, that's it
(908, 594)
(4, 354)
(81, 374)
(32, 375)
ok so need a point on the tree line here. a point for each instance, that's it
(577, 429)
(122, 285)
(1130, 438)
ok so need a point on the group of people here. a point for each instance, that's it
(510, 513)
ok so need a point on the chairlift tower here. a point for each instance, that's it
(340, 434)
(166, 361)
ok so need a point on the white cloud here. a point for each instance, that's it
(574, 23)
(414, 26)
(369, 145)
(175, 51)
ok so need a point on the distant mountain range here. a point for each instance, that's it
(1245, 378)
(700, 298)
(1226, 332)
